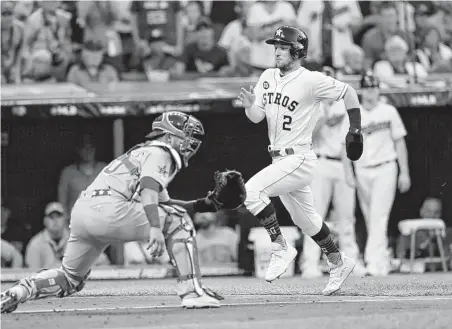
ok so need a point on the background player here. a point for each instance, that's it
(122, 204)
(376, 171)
(329, 185)
(290, 97)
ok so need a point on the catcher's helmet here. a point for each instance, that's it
(368, 80)
(188, 128)
(291, 36)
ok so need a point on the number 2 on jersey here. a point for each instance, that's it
(287, 122)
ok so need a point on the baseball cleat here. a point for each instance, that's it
(280, 261)
(204, 301)
(9, 301)
(338, 274)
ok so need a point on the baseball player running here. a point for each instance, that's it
(376, 171)
(290, 97)
(329, 185)
(125, 203)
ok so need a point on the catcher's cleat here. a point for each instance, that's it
(338, 274)
(9, 301)
(208, 299)
(280, 261)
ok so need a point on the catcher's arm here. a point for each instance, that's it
(194, 206)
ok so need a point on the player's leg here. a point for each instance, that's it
(344, 203)
(81, 252)
(179, 232)
(322, 190)
(300, 205)
(282, 176)
(382, 199)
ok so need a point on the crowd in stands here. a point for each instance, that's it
(104, 41)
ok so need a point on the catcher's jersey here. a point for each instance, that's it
(292, 103)
(381, 127)
(151, 159)
(328, 141)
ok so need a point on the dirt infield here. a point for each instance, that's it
(398, 301)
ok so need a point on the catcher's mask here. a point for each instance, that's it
(187, 128)
(293, 37)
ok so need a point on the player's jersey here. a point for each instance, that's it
(328, 141)
(381, 126)
(152, 159)
(292, 103)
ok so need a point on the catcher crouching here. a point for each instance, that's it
(129, 201)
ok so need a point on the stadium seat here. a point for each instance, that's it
(436, 229)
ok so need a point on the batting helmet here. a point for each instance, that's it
(368, 80)
(188, 128)
(291, 36)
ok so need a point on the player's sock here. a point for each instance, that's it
(325, 241)
(267, 218)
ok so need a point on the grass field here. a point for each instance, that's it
(398, 301)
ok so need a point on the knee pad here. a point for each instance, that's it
(180, 236)
(53, 283)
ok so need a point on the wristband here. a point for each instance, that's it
(152, 213)
(354, 115)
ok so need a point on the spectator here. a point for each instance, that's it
(150, 15)
(191, 16)
(375, 39)
(156, 63)
(78, 176)
(12, 38)
(48, 28)
(394, 71)
(40, 70)
(98, 20)
(353, 61)
(234, 30)
(328, 25)
(46, 249)
(263, 18)
(447, 23)
(23, 9)
(203, 57)
(236, 39)
(423, 12)
(11, 257)
(92, 66)
(432, 50)
(224, 12)
(216, 243)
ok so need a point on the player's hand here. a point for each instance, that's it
(247, 97)
(404, 182)
(156, 244)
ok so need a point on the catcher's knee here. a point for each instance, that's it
(53, 282)
(256, 197)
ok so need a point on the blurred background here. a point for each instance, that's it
(83, 80)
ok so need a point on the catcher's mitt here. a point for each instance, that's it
(354, 145)
(229, 191)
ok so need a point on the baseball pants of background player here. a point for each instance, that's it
(376, 187)
(287, 177)
(97, 222)
(328, 184)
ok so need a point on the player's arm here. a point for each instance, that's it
(253, 101)
(398, 133)
(326, 88)
(194, 206)
(402, 155)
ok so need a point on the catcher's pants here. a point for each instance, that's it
(376, 188)
(329, 185)
(287, 177)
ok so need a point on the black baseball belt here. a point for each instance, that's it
(321, 156)
(281, 152)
